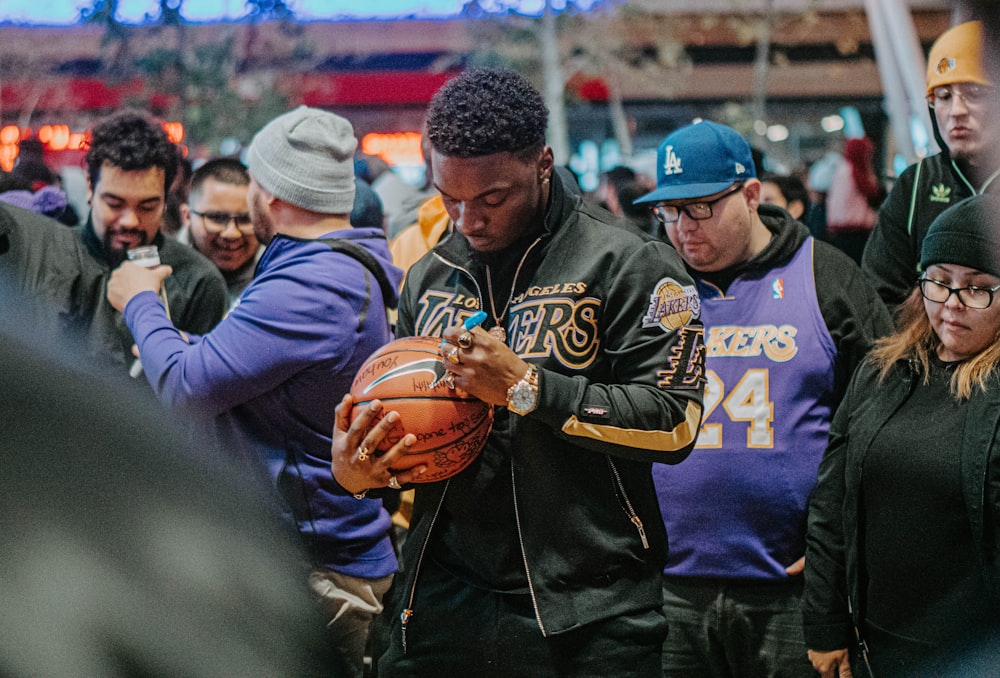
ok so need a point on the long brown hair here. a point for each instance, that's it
(916, 342)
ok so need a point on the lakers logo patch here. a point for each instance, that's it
(946, 64)
(672, 305)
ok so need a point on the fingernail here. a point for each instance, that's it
(392, 417)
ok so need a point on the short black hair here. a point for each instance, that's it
(31, 171)
(791, 187)
(620, 176)
(483, 111)
(131, 140)
(223, 170)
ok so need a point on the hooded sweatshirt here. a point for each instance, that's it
(270, 375)
(922, 192)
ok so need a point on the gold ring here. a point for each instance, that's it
(394, 483)
(465, 340)
(362, 453)
(449, 380)
(451, 354)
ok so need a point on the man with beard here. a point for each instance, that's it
(271, 373)
(546, 551)
(965, 111)
(217, 222)
(130, 164)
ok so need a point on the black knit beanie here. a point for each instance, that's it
(967, 234)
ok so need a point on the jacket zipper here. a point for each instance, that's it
(524, 555)
(517, 515)
(628, 508)
(407, 613)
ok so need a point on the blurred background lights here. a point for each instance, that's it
(832, 123)
(777, 133)
(853, 127)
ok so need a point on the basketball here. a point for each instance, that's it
(450, 425)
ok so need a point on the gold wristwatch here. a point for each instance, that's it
(522, 397)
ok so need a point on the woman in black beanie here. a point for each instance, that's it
(903, 543)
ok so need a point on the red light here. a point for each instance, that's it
(399, 148)
(9, 135)
(175, 131)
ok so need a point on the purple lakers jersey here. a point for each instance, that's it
(737, 506)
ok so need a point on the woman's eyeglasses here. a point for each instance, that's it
(971, 296)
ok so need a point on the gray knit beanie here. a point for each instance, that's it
(967, 234)
(306, 157)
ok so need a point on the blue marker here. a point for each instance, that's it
(474, 320)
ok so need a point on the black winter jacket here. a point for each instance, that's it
(196, 293)
(61, 274)
(833, 604)
(610, 318)
(48, 271)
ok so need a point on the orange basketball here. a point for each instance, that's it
(451, 426)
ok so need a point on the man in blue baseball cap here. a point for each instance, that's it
(787, 320)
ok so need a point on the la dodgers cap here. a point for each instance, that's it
(699, 160)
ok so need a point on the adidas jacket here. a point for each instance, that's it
(922, 192)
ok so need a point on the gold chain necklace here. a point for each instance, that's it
(498, 331)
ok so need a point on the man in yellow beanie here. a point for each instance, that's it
(966, 115)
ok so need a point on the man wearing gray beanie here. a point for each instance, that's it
(272, 372)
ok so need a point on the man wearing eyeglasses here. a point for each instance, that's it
(965, 111)
(787, 319)
(217, 222)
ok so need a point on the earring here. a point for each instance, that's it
(545, 179)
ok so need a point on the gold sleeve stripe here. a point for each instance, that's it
(681, 437)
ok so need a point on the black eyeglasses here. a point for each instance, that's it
(700, 210)
(218, 222)
(973, 95)
(971, 296)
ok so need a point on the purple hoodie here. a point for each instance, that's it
(271, 374)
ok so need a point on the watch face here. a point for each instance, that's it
(523, 397)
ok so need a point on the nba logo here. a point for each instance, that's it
(777, 289)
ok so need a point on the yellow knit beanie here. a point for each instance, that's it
(957, 56)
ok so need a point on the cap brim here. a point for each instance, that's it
(684, 192)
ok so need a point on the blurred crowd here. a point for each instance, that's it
(704, 356)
